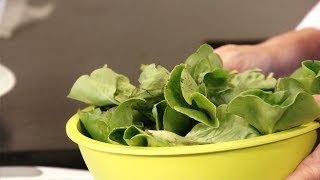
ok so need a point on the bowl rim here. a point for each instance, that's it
(83, 141)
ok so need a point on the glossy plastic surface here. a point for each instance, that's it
(267, 157)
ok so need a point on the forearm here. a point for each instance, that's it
(290, 48)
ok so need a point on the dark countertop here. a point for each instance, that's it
(53, 158)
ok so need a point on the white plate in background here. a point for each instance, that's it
(42, 173)
(7, 80)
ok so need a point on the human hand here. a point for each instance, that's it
(309, 168)
(280, 54)
(244, 57)
(266, 56)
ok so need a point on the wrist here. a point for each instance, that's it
(302, 44)
(309, 43)
(289, 49)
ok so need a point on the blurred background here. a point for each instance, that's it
(81, 35)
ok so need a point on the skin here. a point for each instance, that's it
(281, 55)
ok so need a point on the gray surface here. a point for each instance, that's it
(83, 35)
(19, 171)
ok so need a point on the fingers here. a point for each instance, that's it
(309, 168)
(232, 56)
(225, 52)
(317, 98)
(244, 57)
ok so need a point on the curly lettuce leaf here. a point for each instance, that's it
(134, 136)
(201, 62)
(217, 80)
(290, 85)
(176, 122)
(127, 114)
(181, 105)
(166, 138)
(229, 85)
(103, 87)
(152, 80)
(96, 122)
(309, 76)
(116, 136)
(124, 89)
(158, 112)
(275, 111)
(217, 84)
(231, 128)
(172, 90)
(181, 95)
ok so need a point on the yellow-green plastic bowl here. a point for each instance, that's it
(269, 157)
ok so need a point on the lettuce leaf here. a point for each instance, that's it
(309, 76)
(269, 112)
(97, 122)
(103, 87)
(198, 102)
(116, 136)
(127, 114)
(181, 94)
(201, 62)
(231, 128)
(166, 138)
(158, 112)
(134, 136)
(176, 122)
(152, 81)
(232, 84)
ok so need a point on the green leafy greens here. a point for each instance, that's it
(198, 102)
(309, 76)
